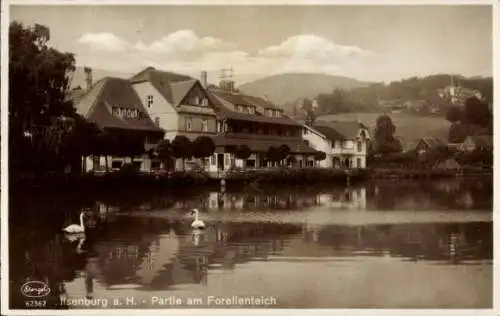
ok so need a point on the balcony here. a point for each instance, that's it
(262, 137)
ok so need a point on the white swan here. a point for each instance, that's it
(197, 223)
(76, 229)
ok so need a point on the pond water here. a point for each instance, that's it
(381, 244)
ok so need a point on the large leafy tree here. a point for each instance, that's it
(38, 82)
(476, 112)
(182, 148)
(203, 147)
(385, 142)
(242, 152)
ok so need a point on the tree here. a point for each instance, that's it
(284, 152)
(107, 144)
(454, 114)
(242, 152)
(164, 152)
(38, 83)
(203, 147)
(477, 112)
(457, 133)
(181, 148)
(273, 154)
(320, 156)
(385, 142)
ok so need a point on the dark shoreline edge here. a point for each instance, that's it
(189, 179)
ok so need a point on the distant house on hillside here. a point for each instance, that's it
(457, 94)
(481, 142)
(345, 143)
(427, 144)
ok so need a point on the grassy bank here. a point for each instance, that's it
(402, 173)
(408, 126)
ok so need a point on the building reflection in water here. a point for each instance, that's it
(347, 198)
(158, 253)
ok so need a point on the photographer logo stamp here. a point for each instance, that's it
(35, 289)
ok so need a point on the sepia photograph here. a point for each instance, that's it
(188, 156)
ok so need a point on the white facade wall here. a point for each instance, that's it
(321, 143)
(342, 149)
(161, 109)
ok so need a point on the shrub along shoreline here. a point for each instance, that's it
(188, 179)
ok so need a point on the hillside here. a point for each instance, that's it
(287, 88)
(410, 128)
(79, 76)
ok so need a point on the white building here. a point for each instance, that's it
(345, 143)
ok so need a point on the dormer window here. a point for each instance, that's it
(204, 102)
(122, 112)
(149, 101)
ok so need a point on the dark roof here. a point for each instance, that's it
(432, 142)
(224, 103)
(96, 105)
(262, 103)
(485, 141)
(339, 130)
(173, 87)
(262, 145)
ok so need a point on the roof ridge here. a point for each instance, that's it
(98, 95)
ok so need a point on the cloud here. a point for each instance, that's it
(185, 44)
(184, 51)
(313, 48)
(104, 42)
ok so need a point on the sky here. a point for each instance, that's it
(369, 43)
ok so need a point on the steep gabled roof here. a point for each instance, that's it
(224, 103)
(261, 103)
(162, 81)
(329, 132)
(339, 130)
(180, 89)
(96, 105)
(173, 87)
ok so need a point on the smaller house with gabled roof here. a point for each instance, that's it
(345, 143)
(479, 142)
(428, 144)
(114, 106)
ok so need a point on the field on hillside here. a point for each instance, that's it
(409, 127)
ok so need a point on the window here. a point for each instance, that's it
(189, 123)
(196, 100)
(213, 159)
(306, 131)
(360, 146)
(204, 102)
(252, 110)
(358, 163)
(157, 121)
(204, 125)
(149, 101)
(348, 144)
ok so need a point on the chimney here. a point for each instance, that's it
(203, 79)
(88, 77)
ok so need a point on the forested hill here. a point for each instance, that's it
(418, 91)
(286, 88)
